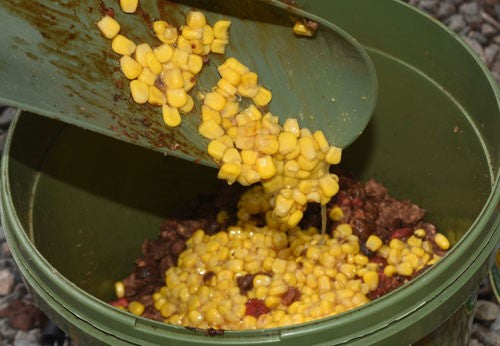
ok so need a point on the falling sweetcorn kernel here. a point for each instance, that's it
(291, 163)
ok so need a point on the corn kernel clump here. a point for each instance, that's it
(164, 75)
(251, 277)
(250, 147)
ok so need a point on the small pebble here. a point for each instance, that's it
(490, 53)
(428, 5)
(474, 342)
(31, 338)
(486, 311)
(456, 22)
(487, 30)
(471, 12)
(485, 336)
(445, 10)
(7, 281)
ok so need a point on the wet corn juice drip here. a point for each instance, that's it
(323, 225)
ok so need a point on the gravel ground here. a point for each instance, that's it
(478, 22)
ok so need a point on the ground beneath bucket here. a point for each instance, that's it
(477, 22)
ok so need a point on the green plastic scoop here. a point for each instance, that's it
(55, 62)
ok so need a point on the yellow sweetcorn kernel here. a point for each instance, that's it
(192, 33)
(292, 125)
(404, 269)
(442, 241)
(253, 113)
(156, 96)
(267, 144)
(249, 156)
(180, 58)
(147, 76)
(328, 185)
(129, 6)
(248, 92)
(231, 155)
(333, 155)
(420, 233)
(230, 75)
(396, 244)
(119, 289)
(188, 107)
(215, 101)
(169, 35)
(295, 218)
(163, 52)
(153, 63)
(195, 63)
(235, 65)
(226, 87)
(184, 45)
(189, 80)
(140, 53)
(177, 97)
(208, 113)
(139, 91)
(130, 68)
(220, 29)
(171, 116)
(321, 141)
(249, 80)
(263, 97)
(122, 45)
(108, 26)
(211, 130)
(159, 27)
(373, 243)
(336, 213)
(218, 46)
(287, 142)
(414, 241)
(265, 167)
(301, 29)
(197, 46)
(173, 78)
(136, 308)
(196, 19)
(208, 35)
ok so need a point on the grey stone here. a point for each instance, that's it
(445, 10)
(7, 281)
(474, 342)
(488, 30)
(486, 311)
(456, 22)
(428, 5)
(5, 250)
(476, 36)
(490, 53)
(31, 338)
(6, 330)
(6, 116)
(485, 336)
(471, 12)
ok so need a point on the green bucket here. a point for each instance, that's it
(76, 205)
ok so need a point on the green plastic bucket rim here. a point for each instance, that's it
(487, 212)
